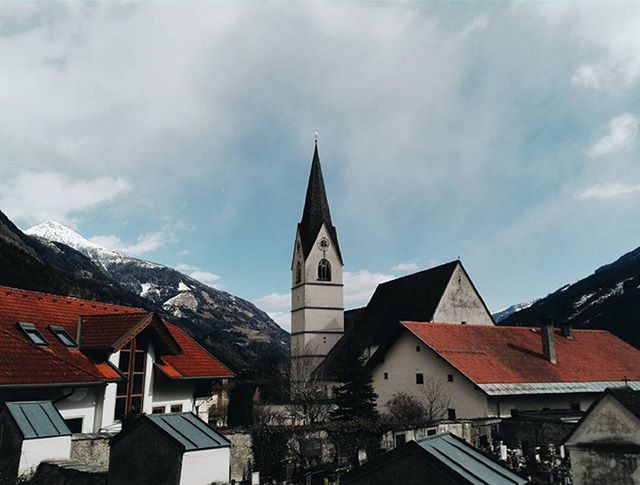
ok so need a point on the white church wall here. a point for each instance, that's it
(461, 303)
(402, 362)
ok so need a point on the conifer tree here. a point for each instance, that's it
(355, 397)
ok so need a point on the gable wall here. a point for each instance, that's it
(402, 362)
(461, 303)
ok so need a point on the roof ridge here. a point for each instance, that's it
(54, 295)
(511, 327)
(421, 272)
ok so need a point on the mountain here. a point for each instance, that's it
(507, 312)
(60, 261)
(608, 299)
(31, 264)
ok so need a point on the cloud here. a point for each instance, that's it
(282, 318)
(199, 274)
(32, 197)
(145, 243)
(609, 191)
(405, 268)
(274, 300)
(360, 285)
(622, 131)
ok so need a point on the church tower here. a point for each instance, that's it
(317, 307)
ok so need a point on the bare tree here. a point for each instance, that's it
(307, 394)
(436, 399)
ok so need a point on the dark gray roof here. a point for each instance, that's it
(629, 398)
(413, 297)
(188, 431)
(465, 460)
(37, 419)
(316, 210)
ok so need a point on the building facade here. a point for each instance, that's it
(97, 362)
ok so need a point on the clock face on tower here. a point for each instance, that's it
(324, 244)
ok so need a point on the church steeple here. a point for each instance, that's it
(316, 209)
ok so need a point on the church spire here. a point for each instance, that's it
(316, 209)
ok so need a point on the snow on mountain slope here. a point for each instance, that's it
(502, 314)
(216, 317)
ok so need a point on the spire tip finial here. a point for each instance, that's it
(316, 137)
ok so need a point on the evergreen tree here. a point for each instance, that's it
(355, 397)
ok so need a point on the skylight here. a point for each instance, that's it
(63, 336)
(31, 331)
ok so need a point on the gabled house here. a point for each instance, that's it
(495, 371)
(97, 362)
(605, 445)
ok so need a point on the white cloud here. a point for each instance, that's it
(360, 285)
(32, 197)
(145, 243)
(199, 274)
(609, 190)
(274, 300)
(282, 318)
(405, 268)
(622, 131)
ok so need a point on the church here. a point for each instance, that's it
(431, 331)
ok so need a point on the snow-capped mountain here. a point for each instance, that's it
(232, 327)
(608, 299)
(507, 312)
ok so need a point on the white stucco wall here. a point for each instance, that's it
(536, 402)
(35, 451)
(172, 392)
(203, 467)
(403, 362)
(83, 403)
(461, 303)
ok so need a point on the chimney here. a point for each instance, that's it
(548, 343)
(567, 331)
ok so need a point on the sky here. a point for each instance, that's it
(503, 134)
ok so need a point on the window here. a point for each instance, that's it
(63, 336)
(450, 377)
(129, 393)
(32, 333)
(419, 379)
(431, 431)
(451, 413)
(324, 270)
(386, 375)
(74, 424)
(298, 272)
(417, 348)
(176, 408)
(575, 406)
(157, 410)
(401, 439)
(324, 340)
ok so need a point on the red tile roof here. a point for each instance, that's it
(194, 362)
(489, 354)
(103, 331)
(30, 364)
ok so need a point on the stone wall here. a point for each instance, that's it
(536, 432)
(241, 453)
(68, 473)
(91, 448)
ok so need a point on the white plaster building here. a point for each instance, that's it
(97, 362)
(432, 328)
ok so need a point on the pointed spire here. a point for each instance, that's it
(316, 208)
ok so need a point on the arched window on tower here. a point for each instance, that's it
(324, 270)
(298, 272)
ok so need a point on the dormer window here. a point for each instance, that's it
(33, 334)
(298, 272)
(63, 336)
(324, 270)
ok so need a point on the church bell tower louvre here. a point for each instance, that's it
(317, 304)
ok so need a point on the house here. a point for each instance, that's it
(96, 361)
(169, 449)
(495, 371)
(477, 368)
(440, 459)
(30, 432)
(605, 445)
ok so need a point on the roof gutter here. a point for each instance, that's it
(57, 384)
